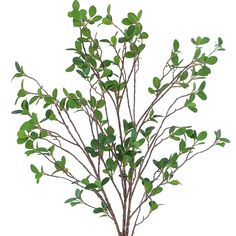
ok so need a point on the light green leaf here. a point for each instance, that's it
(201, 136)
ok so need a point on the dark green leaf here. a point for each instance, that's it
(16, 112)
(220, 41)
(18, 67)
(105, 181)
(98, 210)
(70, 200)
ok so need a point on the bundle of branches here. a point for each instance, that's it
(108, 151)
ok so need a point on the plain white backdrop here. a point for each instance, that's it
(36, 33)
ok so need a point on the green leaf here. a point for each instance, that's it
(72, 103)
(176, 45)
(70, 68)
(106, 21)
(156, 82)
(197, 53)
(98, 115)
(220, 41)
(144, 35)
(156, 191)
(182, 145)
(184, 76)
(174, 58)
(92, 11)
(180, 131)
(96, 18)
(211, 60)
(225, 140)
(204, 40)
(105, 181)
(117, 60)
(148, 186)
(192, 107)
(74, 203)
(50, 115)
(130, 31)
(153, 205)
(218, 134)
(55, 93)
(78, 193)
(201, 136)
(174, 182)
(43, 134)
(132, 17)
(34, 169)
(202, 95)
(109, 10)
(21, 140)
(127, 21)
(37, 173)
(129, 54)
(151, 90)
(18, 67)
(75, 5)
(107, 73)
(91, 186)
(204, 71)
(16, 112)
(21, 93)
(70, 200)
(100, 104)
(33, 99)
(200, 41)
(139, 15)
(29, 144)
(202, 86)
(98, 210)
(86, 32)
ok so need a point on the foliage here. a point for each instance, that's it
(121, 148)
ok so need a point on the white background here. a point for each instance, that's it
(35, 33)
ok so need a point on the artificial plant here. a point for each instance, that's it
(94, 138)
